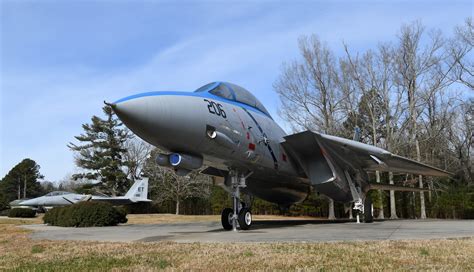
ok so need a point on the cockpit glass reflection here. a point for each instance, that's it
(234, 93)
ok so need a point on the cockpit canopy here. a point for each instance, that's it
(56, 193)
(233, 92)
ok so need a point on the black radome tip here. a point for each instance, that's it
(109, 104)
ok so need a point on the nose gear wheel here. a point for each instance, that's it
(240, 215)
(245, 219)
(226, 218)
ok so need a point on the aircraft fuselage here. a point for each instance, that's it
(227, 134)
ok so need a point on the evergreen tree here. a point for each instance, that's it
(22, 181)
(101, 153)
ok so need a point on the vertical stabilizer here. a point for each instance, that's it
(139, 190)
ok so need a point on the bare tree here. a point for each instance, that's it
(308, 89)
(461, 135)
(178, 188)
(165, 185)
(419, 69)
(460, 49)
(392, 110)
(137, 152)
(372, 79)
(309, 92)
(68, 183)
(406, 96)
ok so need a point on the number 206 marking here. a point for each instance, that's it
(215, 108)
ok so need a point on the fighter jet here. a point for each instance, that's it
(224, 130)
(137, 193)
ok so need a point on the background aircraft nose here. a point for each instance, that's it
(30, 202)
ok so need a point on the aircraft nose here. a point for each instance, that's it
(161, 119)
(30, 202)
(137, 115)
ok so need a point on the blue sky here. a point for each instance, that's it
(61, 59)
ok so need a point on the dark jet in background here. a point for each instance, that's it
(224, 128)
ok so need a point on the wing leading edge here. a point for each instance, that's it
(378, 159)
(367, 157)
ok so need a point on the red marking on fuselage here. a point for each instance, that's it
(248, 136)
(251, 146)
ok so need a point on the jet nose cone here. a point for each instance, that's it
(139, 115)
(30, 202)
(112, 105)
(172, 121)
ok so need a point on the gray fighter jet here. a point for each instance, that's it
(137, 193)
(224, 129)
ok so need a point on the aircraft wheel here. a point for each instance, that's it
(368, 216)
(245, 219)
(226, 218)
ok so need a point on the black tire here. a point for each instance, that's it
(245, 219)
(225, 218)
(368, 216)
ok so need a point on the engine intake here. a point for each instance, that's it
(185, 161)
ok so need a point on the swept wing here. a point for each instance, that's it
(330, 162)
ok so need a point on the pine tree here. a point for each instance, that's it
(102, 153)
(22, 181)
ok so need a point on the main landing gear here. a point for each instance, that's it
(239, 214)
(361, 206)
(364, 207)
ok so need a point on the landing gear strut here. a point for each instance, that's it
(361, 206)
(239, 214)
(365, 208)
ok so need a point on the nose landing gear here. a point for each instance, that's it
(226, 218)
(240, 214)
(245, 218)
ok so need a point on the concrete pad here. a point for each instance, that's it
(265, 231)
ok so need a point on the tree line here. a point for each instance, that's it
(412, 96)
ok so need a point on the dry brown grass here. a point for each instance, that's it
(21, 221)
(19, 252)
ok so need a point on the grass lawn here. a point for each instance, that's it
(18, 252)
